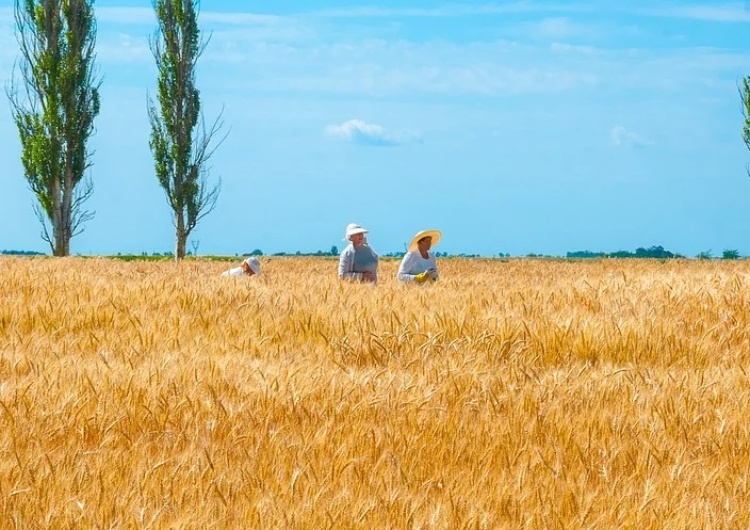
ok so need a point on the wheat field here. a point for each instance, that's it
(513, 394)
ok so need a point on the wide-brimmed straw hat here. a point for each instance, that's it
(434, 234)
(352, 229)
(254, 264)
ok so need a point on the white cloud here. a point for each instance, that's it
(622, 137)
(734, 12)
(124, 48)
(384, 69)
(562, 48)
(557, 53)
(554, 28)
(125, 15)
(452, 10)
(737, 11)
(363, 133)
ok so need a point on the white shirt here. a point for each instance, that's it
(237, 271)
(356, 260)
(413, 264)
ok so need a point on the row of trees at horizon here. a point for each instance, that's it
(54, 97)
(653, 252)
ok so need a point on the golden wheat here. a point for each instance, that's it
(519, 394)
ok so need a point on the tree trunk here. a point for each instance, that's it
(180, 237)
(57, 220)
(67, 204)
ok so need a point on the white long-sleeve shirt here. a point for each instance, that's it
(236, 271)
(356, 260)
(413, 264)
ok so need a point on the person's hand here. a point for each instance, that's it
(422, 277)
(368, 276)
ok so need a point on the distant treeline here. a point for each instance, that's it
(22, 253)
(651, 252)
(640, 252)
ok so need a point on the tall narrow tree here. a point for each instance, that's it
(54, 110)
(745, 96)
(180, 141)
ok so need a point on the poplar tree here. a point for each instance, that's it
(54, 105)
(180, 142)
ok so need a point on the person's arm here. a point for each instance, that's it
(406, 267)
(433, 263)
(371, 276)
(346, 264)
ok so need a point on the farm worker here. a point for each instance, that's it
(248, 267)
(358, 261)
(419, 264)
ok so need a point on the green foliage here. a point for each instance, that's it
(55, 111)
(179, 140)
(706, 254)
(21, 253)
(656, 251)
(730, 254)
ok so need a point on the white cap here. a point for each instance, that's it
(354, 228)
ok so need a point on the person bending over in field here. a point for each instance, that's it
(358, 261)
(248, 267)
(419, 264)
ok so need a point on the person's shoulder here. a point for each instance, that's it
(348, 249)
(236, 271)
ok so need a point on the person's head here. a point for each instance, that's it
(356, 234)
(424, 240)
(424, 244)
(251, 266)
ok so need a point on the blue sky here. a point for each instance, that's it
(515, 127)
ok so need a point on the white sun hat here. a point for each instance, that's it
(254, 264)
(436, 235)
(352, 229)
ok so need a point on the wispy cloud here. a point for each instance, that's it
(562, 48)
(6, 15)
(125, 15)
(451, 10)
(554, 28)
(622, 137)
(555, 52)
(738, 11)
(734, 12)
(145, 15)
(384, 69)
(363, 133)
(123, 48)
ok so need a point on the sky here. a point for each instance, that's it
(514, 127)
